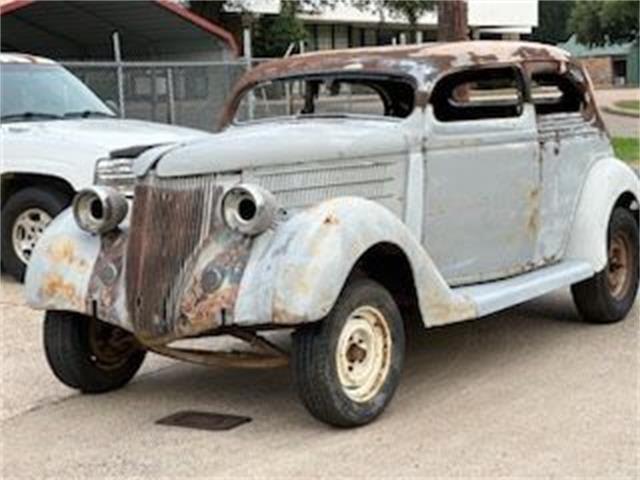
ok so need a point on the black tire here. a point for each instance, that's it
(599, 299)
(49, 200)
(315, 364)
(71, 345)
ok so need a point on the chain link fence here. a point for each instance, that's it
(189, 94)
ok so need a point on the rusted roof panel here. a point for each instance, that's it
(422, 61)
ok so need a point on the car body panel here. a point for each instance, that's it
(463, 162)
(346, 186)
(607, 180)
(261, 145)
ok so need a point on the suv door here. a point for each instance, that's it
(483, 175)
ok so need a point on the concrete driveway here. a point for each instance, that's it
(527, 392)
(619, 125)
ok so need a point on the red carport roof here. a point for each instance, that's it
(9, 6)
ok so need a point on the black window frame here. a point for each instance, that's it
(571, 100)
(445, 110)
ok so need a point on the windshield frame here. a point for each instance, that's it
(230, 111)
(89, 104)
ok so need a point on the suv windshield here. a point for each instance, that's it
(328, 95)
(44, 92)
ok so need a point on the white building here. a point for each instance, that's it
(346, 26)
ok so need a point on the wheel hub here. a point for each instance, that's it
(111, 346)
(619, 265)
(27, 230)
(364, 353)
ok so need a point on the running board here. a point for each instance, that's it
(494, 296)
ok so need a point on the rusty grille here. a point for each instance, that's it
(171, 220)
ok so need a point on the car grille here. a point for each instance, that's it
(171, 220)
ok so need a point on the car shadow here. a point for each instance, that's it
(441, 358)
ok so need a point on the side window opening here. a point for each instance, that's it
(478, 94)
(326, 95)
(554, 93)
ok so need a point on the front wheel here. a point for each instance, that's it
(608, 296)
(347, 366)
(90, 355)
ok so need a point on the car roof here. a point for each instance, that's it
(422, 61)
(24, 58)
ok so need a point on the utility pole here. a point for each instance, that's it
(452, 20)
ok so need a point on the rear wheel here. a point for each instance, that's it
(609, 295)
(348, 365)
(88, 354)
(25, 215)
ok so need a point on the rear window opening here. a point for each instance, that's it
(553, 93)
(478, 94)
(328, 95)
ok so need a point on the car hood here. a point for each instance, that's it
(281, 142)
(94, 138)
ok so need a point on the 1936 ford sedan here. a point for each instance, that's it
(348, 193)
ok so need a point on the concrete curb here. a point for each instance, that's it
(619, 111)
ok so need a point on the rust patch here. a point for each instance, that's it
(106, 283)
(62, 251)
(331, 219)
(201, 314)
(283, 317)
(55, 286)
(204, 300)
(533, 222)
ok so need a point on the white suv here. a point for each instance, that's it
(54, 129)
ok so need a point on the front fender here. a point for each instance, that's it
(76, 271)
(295, 273)
(60, 267)
(607, 180)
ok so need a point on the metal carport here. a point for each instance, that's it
(83, 30)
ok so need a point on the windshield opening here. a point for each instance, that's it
(328, 95)
(45, 92)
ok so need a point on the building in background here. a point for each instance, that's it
(346, 26)
(612, 64)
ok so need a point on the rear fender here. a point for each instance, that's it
(296, 272)
(607, 180)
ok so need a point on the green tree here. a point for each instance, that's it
(274, 33)
(409, 10)
(553, 18)
(598, 22)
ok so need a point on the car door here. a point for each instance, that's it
(570, 143)
(483, 175)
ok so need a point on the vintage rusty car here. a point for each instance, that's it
(348, 193)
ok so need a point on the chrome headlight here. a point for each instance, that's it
(116, 173)
(99, 209)
(249, 209)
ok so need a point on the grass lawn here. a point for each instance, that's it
(633, 105)
(627, 149)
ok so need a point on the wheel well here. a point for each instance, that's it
(630, 202)
(388, 265)
(14, 182)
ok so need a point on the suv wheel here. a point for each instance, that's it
(90, 355)
(25, 215)
(608, 296)
(348, 365)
